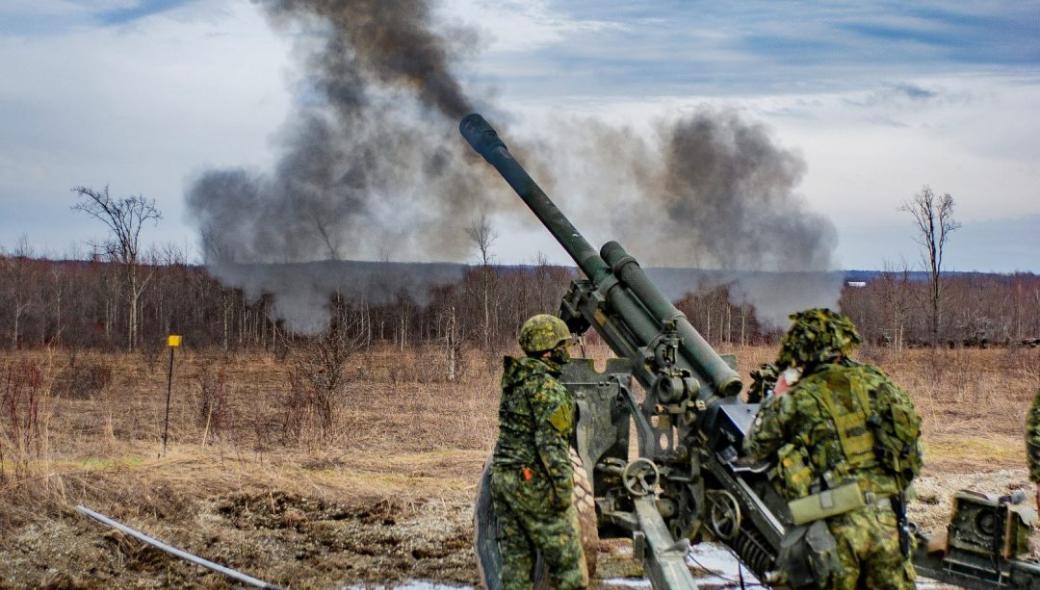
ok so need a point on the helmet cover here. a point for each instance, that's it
(817, 336)
(543, 332)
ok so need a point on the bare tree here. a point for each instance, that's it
(18, 282)
(893, 294)
(57, 278)
(452, 343)
(483, 236)
(318, 376)
(321, 227)
(933, 215)
(125, 218)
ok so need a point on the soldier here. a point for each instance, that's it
(531, 478)
(845, 442)
(1033, 445)
(763, 380)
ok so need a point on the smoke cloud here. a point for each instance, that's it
(371, 167)
(300, 291)
(709, 191)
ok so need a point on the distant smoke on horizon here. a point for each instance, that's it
(371, 167)
(300, 291)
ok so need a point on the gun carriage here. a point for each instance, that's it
(685, 481)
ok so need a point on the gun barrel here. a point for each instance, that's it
(694, 346)
(486, 142)
(623, 283)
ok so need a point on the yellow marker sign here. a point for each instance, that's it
(173, 341)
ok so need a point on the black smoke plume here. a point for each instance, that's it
(707, 190)
(371, 168)
(370, 165)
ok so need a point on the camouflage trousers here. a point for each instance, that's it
(527, 525)
(868, 548)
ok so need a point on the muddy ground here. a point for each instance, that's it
(289, 538)
(296, 540)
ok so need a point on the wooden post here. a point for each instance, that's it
(172, 341)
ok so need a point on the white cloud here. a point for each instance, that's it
(146, 105)
(141, 107)
(44, 8)
(971, 139)
(869, 150)
(521, 25)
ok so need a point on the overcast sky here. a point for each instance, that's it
(878, 98)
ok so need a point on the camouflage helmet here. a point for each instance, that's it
(817, 336)
(543, 332)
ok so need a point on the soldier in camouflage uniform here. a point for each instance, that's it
(763, 380)
(531, 476)
(832, 422)
(1033, 444)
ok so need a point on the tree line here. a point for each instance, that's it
(87, 304)
(896, 308)
(122, 297)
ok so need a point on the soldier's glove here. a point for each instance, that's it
(563, 491)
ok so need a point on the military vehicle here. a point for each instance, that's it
(986, 544)
(686, 480)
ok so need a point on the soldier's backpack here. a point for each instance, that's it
(897, 428)
(884, 429)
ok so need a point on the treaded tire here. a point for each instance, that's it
(485, 525)
(485, 529)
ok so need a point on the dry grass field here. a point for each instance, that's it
(376, 490)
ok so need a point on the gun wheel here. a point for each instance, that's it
(640, 477)
(485, 525)
(723, 514)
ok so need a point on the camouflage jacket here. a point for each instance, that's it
(1033, 439)
(796, 431)
(536, 417)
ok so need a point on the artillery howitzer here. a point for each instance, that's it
(687, 482)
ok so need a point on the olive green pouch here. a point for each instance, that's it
(825, 504)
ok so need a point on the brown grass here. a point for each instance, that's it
(381, 495)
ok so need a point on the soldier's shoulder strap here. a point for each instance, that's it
(850, 420)
(896, 425)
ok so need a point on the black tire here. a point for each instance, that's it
(485, 525)
(485, 529)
